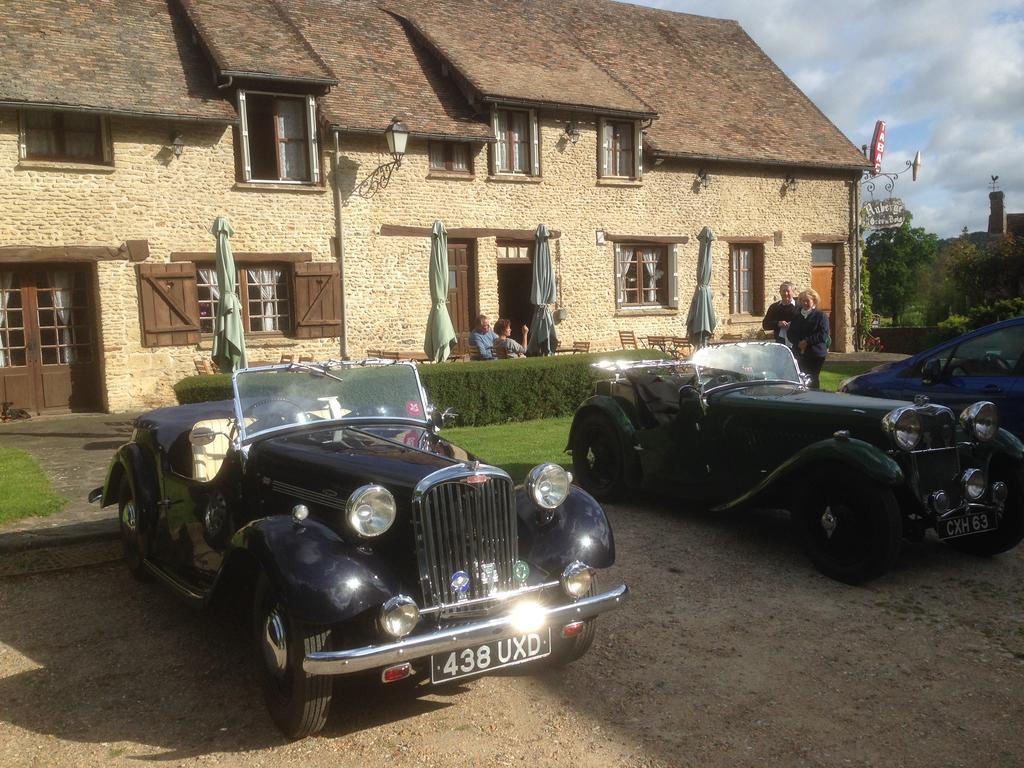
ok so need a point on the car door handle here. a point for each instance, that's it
(992, 388)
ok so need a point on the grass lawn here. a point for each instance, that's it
(25, 489)
(518, 447)
(833, 373)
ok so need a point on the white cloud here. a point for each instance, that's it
(946, 75)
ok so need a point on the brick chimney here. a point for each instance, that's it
(997, 216)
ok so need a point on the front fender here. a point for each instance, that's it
(136, 463)
(578, 530)
(859, 454)
(1008, 443)
(320, 578)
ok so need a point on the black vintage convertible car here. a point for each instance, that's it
(736, 426)
(365, 539)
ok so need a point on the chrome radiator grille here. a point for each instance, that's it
(469, 528)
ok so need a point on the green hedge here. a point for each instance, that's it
(484, 392)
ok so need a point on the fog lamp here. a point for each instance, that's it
(398, 616)
(999, 492)
(576, 579)
(527, 617)
(973, 481)
(300, 512)
(940, 502)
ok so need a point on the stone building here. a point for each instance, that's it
(126, 128)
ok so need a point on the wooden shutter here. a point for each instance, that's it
(22, 138)
(603, 147)
(493, 155)
(243, 129)
(317, 300)
(314, 144)
(673, 276)
(168, 304)
(638, 150)
(757, 279)
(620, 297)
(106, 143)
(534, 143)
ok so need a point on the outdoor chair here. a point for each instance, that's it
(474, 352)
(580, 346)
(306, 358)
(628, 340)
(287, 358)
(500, 353)
(659, 342)
(681, 347)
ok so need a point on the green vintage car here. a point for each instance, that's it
(737, 426)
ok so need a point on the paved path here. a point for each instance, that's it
(74, 450)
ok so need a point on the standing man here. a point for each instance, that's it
(781, 313)
(483, 338)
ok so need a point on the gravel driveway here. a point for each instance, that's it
(732, 652)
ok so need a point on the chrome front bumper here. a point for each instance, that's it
(417, 646)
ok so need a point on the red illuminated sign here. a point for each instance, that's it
(878, 147)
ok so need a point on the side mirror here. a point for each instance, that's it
(445, 418)
(805, 379)
(932, 371)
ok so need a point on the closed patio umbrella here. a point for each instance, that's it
(228, 329)
(543, 340)
(440, 336)
(701, 321)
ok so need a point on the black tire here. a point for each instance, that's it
(133, 538)
(1011, 526)
(297, 702)
(849, 526)
(597, 461)
(566, 651)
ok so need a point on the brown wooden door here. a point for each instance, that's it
(48, 339)
(823, 275)
(461, 292)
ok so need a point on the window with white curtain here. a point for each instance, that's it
(266, 300)
(278, 137)
(517, 146)
(643, 275)
(65, 137)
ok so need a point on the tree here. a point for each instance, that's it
(895, 258)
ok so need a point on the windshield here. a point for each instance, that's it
(756, 361)
(282, 396)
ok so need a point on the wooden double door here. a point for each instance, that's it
(48, 349)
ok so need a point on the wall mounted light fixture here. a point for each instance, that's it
(572, 132)
(397, 135)
(790, 183)
(704, 178)
(177, 145)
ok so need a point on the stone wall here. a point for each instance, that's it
(172, 202)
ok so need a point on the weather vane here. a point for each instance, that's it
(993, 183)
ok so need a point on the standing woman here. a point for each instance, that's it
(809, 334)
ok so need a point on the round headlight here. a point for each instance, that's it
(576, 579)
(981, 420)
(370, 510)
(974, 484)
(903, 426)
(398, 616)
(548, 485)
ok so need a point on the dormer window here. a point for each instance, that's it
(517, 146)
(278, 138)
(620, 154)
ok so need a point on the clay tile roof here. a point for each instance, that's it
(257, 38)
(129, 57)
(516, 51)
(717, 93)
(383, 73)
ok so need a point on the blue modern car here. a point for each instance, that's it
(986, 364)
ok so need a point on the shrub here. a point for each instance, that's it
(483, 392)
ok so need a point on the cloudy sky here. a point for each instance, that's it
(947, 76)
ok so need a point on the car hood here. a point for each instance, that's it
(338, 460)
(795, 405)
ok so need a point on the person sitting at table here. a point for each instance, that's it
(483, 338)
(515, 349)
(781, 313)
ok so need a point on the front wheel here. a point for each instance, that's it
(597, 460)
(1011, 526)
(298, 702)
(849, 525)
